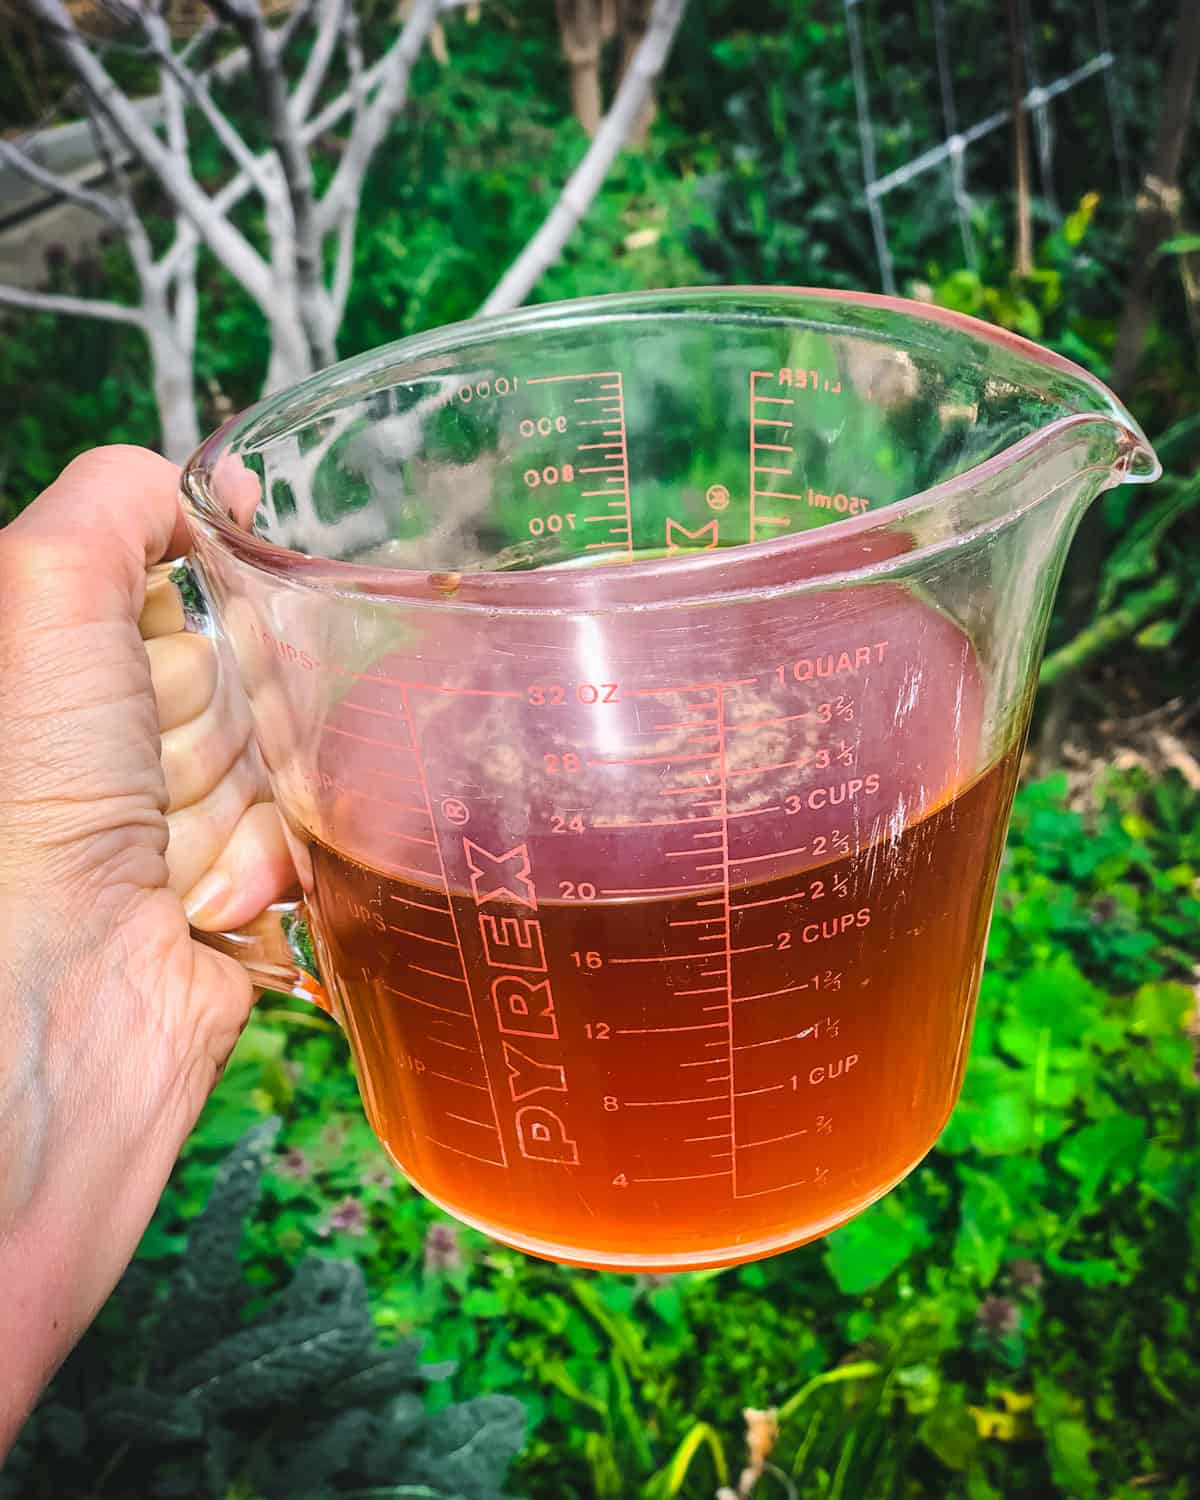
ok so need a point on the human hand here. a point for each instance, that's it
(132, 798)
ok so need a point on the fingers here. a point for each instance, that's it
(109, 515)
(253, 870)
(183, 672)
(227, 853)
(197, 753)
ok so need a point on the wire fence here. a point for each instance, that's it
(952, 150)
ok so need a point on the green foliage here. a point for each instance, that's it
(288, 1397)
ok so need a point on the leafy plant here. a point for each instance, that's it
(214, 1391)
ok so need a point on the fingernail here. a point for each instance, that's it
(207, 897)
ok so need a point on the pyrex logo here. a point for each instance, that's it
(515, 956)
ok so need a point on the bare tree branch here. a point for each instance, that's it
(98, 203)
(585, 182)
(304, 95)
(230, 247)
(369, 129)
(284, 35)
(292, 152)
(74, 307)
(343, 268)
(136, 238)
(199, 93)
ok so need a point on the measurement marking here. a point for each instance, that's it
(769, 1089)
(776, 448)
(424, 936)
(773, 1140)
(581, 447)
(657, 1030)
(694, 922)
(552, 379)
(655, 760)
(753, 948)
(489, 1161)
(770, 421)
(756, 812)
(656, 1103)
(598, 547)
(591, 495)
(774, 400)
(691, 1177)
(796, 1036)
(705, 869)
(652, 890)
(682, 724)
(727, 973)
(780, 765)
(436, 687)
(715, 938)
(466, 1119)
(413, 870)
(374, 799)
(783, 1186)
(688, 791)
(790, 989)
(656, 823)
(365, 708)
(718, 1117)
(771, 520)
(458, 1046)
(779, 494)
(602, 469)
(407, 838)
(588, 400)
(366, 739)
(387, 775)
(416, 999)
(711, 973)
(687, 854)
(766, 469)
(779, 719)
(705, 1062)
(462, 960)
(753, 859)
(694, 1140)
(770, 901)
(712, 901)
(442, 911)
(715, 989)
(663, 958)
(447, 1078)
(437, 974)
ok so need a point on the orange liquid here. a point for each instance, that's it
(668, 1082)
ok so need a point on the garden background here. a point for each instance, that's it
(1018, 1318)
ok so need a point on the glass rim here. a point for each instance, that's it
(409, 587)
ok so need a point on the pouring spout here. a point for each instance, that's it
(1136, 461)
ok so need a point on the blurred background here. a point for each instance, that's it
(1018, 1318)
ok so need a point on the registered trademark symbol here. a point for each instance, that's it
(455, 811)
(717, 497)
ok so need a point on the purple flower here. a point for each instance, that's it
(346, 1217)
(442, 1250)
(294, 1163)
(998, 1317)
(380, 1174)
(1026, 1274)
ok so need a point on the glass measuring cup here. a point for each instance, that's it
(642, 682)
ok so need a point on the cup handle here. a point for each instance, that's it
(275, 948)
(276, 951)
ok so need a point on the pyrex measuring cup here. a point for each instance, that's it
(643, 681)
